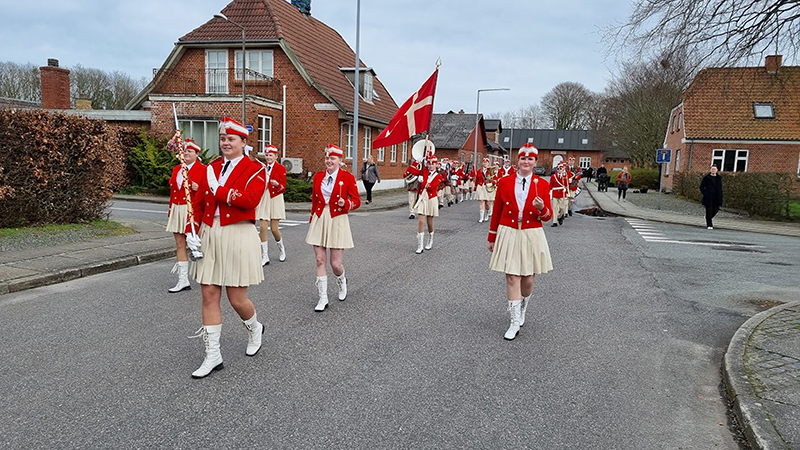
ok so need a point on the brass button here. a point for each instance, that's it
(227, 215)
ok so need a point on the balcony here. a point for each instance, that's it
(215, 82)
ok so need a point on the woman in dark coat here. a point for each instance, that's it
(711, 188)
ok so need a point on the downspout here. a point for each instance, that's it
(283, 137)
(691, 148)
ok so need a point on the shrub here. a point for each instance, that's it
(297, 190)
(152, 163)
(644, 178)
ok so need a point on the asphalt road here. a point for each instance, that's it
(621, 349)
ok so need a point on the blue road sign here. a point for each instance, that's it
(249, 128)
(663, 155)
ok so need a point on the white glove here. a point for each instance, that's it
(193, 242)
(420, 178)
(213, 184)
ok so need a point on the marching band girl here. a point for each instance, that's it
(427, 206)
(226, 202)
(559, 183)
(481, 180)
(178, 210)
(414, 170)
(516, 237)
(271, 209)
(334, 194)
(507, 168)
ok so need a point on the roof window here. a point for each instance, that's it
(763, 110)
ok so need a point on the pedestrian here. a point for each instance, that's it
(711, 188)
(226, 208)
(178, 209)
(623, 180)
(272, 209)
(589, 174)
(516, 237)
(427, 206)
(370, 176)
(334, 194)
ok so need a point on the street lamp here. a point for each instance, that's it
(355, 94)
(223, 17)
(477, 111)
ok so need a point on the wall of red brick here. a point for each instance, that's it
(55, 88)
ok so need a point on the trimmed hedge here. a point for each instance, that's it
(56, 168)
(297, 190)
(640, 178)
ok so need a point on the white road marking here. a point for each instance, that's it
(650, 234)
(163, 211)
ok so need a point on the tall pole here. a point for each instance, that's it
(244, 60)
(477, 115)
(355, 95)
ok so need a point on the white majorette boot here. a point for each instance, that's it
(322, 288)
(420, 237)
(513, 312)
(341, 280)
(282, 256)
(429, 245)
(523, 307)
(264, 254)
(213, 360)
(480, 219)
(182, 267)
(254, 330)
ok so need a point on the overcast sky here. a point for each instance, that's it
(527, 46)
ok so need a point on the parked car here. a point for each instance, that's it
(539, 170)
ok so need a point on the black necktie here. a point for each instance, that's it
(269, 167)
(330, 178)
(523, 183)
(225, 167)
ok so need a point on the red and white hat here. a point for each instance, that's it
(271, 149)
(230, 126)
(190, 144)
(333, 150)
(562, 165)
(432, 159)
(529, 150)
(485, 159)
(497, 163)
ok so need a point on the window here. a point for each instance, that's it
(259, 64)
(367, 142)
(680, 120)
(763, 110)
(530, 140)
(204, 132)
(404, 154)
(506, 139)
(561, 140)
(349, 144)
(614, 161)
(366, 83)
(367, 90)
(677, 160)
(382, 154)
(585, 162)
(584, 141)
(264, 132)
(216, 72)
(393, 154)
(730, 160)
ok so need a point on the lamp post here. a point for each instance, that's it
(244, 59)
(355, 95)
(477, 114)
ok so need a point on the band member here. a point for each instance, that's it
(559, 183)
(575, 175)
(516, 237)
(507, 168)
(178, 210)
(334, 194)
(414, 170)
(484, 181)
(271, 209)
(453, 180)
(490, 187)
(226, 206)
(427, 206)
(466, 181)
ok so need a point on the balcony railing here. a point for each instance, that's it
(215, 82)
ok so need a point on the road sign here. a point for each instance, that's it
(249, 128)
(663, 155)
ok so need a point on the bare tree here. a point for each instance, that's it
(20, 81)
(567, 106)
(718, 32)
(523, 117)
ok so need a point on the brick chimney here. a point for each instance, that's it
(303, 5)
(773, 62)
(55, 86)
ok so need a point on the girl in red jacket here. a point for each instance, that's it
(516, 237)
(272, 209)
(427, 206)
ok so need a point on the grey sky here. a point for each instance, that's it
(528, 46)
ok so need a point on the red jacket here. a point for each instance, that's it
(503, 172)
(479, 178)
(430, 183)
(506, 212)
(278, 173)
(413, 169)
(237, 200)
(177, 195)
(559, 184)
(573, 182)
(344, 186)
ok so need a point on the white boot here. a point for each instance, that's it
(254, 330)
(213, 360)
(420, 236)
(513, 312)
(429, 245)
(182, 267)
(264, 254)
(341, 280)
(322, 289)
(523, 307)
(480, 219)
(282, 256)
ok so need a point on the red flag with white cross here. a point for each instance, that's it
(412, 118)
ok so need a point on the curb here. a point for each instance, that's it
(754, 419)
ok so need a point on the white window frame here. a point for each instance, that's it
(252, 72)
(404, 152)
(381, 154)
(367, 91)
(584, 162)
(349, 142)
(393, 153)
(264, 132)
(217, 72)
(561, 140)
(763, 110)
(367, 142)
(530, 140)
(204, 132)
(740, 159)
(677, 160)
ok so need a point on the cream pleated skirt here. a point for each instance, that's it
(330, 232)
(231, 255)
(492, 195)
(482, 193)
(521, 252)
(177, 219)
(427, 206)
(271, 207)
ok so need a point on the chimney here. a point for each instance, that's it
(83, 103)
(304, 6)
(773, 62)
(55, 86)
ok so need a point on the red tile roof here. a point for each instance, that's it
(719, 104)
(320, 49)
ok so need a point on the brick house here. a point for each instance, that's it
(453, 134)
(298, 85)
(556, 145)
(744, 119)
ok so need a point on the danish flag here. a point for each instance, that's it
(412, 118)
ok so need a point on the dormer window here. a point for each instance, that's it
(763, 110)
(366, 77)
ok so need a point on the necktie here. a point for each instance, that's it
(330, 178)
(523, 183)
(225, 167)
(269, 167)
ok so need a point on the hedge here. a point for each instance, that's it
(640, 178)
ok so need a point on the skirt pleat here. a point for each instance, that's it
(427, 206)
(483, 195)
(521, 252)
(177, 219)
(263, 209)
(231, 255)
(330, 232)
(271, 207)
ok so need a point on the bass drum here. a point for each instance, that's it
(420, 149)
